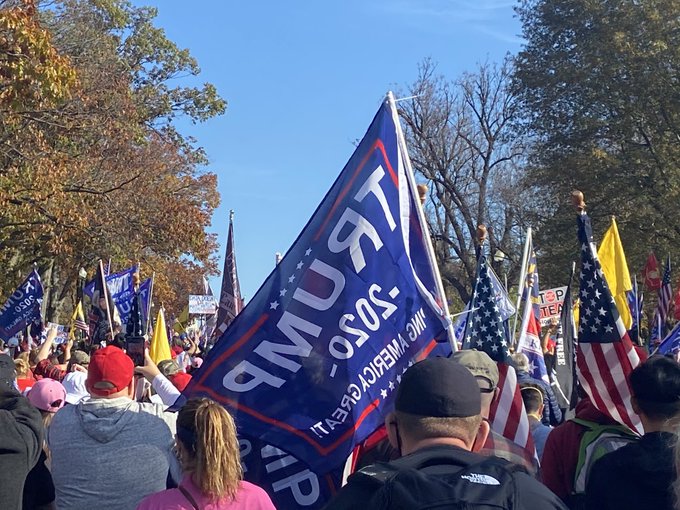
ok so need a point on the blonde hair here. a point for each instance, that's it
(21, 367)
(211, 450)
(46, 421)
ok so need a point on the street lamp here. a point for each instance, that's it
(499, 257)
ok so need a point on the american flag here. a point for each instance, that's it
(485, 332)
(605, 355)
(664, 304)
(529, 341)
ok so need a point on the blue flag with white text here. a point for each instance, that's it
(671, 344)
(121, 289)
(313, 362)
(22, 307)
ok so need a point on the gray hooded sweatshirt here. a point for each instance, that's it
(111, 453)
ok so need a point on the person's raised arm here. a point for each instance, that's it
(163, 387)
(552, 329)
(44, 351)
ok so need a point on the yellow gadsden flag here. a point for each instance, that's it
(615, 269)
(77, 321)
(160, 347)
(182, 321)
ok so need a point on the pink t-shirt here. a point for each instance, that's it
(248, 496)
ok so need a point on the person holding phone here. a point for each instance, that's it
(118, 449)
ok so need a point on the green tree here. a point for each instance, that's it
(600, 92)
(113, 177)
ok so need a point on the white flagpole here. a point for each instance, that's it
(423, 222)
(522, 279)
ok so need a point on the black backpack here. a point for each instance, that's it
(437, 482)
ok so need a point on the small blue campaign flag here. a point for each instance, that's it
(670, 344)
(313, 363)
(121, 289)
(22, 308)
(145, 293)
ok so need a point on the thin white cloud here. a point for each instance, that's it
(484, 16)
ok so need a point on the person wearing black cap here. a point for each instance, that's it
(640, 474)
(437, 426)
(21, 431)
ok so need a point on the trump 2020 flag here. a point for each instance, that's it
(313, 362)
(22, 307)
(121, 289)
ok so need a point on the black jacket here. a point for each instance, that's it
(21, 436)
(636, 476)
(357, 494)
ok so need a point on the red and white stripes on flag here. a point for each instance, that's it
(507, 415)
(605, 355)
(80, 324)
(603, 372)
(665, 297)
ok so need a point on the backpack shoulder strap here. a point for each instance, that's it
(189, 497)
(382, 472)
(591, 436)
(584, 423)
(378, 473)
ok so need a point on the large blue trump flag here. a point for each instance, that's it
(313, 362)
(22, 307)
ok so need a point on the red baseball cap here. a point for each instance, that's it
(109, 365)
(180, 380)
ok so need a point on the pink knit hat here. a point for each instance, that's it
(47, 395)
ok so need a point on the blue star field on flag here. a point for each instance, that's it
(485, 331)
(598, 313)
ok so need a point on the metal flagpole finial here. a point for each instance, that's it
(231, 215)
(422, 193)
(577, 200)
(481, 234)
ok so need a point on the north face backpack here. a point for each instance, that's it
(597, 441)
(437, 483)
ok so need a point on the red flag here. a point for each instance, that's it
(651, 273)
(676, 302)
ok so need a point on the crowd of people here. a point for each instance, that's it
(84, 428)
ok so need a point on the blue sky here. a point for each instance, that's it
(303, 80)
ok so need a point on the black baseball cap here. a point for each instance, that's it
(439, 387)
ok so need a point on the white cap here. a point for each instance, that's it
(74, 382)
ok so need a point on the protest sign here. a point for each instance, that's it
(62, 332)
(550, 304)
(202, 305)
